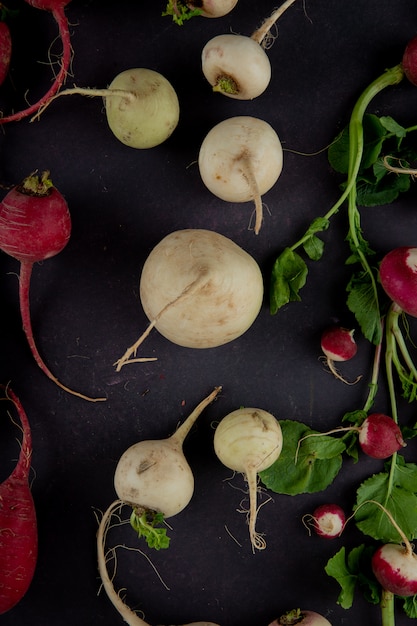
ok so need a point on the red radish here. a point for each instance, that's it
(18, 525)
(301, 617)
(338, 344)
(398, 276)
(409, 61)
(328, 520)
(5, 50)
(56, 7)
(380, 436)
(35, 225)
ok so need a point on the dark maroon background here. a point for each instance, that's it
(86, 309)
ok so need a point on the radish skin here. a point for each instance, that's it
(240, 159)
(409, 61)
(249, 440)
(398, 275)
(35, 225)
(298, 617)
(57, 9)
(338, 345)
(199, 290)
(143, 482)
(327, 520)
(5, 50)
(18, 524)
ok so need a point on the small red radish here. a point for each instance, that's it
(301, 617)
(35, 225)
(18, 524)
(237, 66)
(398, 276)
(380, 436)
(409, 61)
(5, 50)
(56, 7)
(328, 520)
(338, 345)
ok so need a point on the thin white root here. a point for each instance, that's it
(332, 368)
(182, 431)
(250, 178)
(262, 32)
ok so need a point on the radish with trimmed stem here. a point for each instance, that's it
(199, 290)
(35, 225)
(301, 617)
(236, 65)
(57, 8)
(240, 159)
(142, 107)
(154, 478)
(249, 440)
(327, 520)
(338, 345)
(182, 11)
(18, 524)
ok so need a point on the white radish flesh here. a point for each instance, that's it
(328, 520)
(240, 159)
(249, 440)
(199, 290)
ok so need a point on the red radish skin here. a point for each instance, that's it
(299, 617)
(56, 7)
(380, 436)
(409, 61)
(18, 524)
(395, 568)
(338, 345)
(398, 276)
(5, 51)
(328, 520)
(35, 224)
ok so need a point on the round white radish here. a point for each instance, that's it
(328, 520)
(338, 345)
(380, 436)
(199, 290)
(301, 617)
(249, 440)
(240, 159)
(395, 568)
(398, 276)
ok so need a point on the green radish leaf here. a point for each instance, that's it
(410, 606)
(363, 302)
(180, 12)
(374, 134)
(289, 275)
(382, 191)
(338, 152)
(352, 571)
(392, 126)
(306, 468)
(313, 245)
(146, 523)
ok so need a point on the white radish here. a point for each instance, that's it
(199, 290)
(299, 617)
(181, 11)
(236, 65)
(154, 478)
(142, 107)
(249, 440)
(240, 159)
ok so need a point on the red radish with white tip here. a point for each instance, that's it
(409, 61)
(299, 617)
(35, 225)
(327, 520)
(338, 345)
(398, 276)
(380, 436)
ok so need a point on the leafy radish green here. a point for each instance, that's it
(181, 10)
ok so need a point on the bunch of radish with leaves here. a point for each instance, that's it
(155, 480)
(57, 9)
(237, 66)
(181, 11)
(35, 225)
(18, 523)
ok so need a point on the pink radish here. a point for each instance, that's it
(35, 225)
(338, 345)
(409, 61)
(301, 617)
(328, 520)
(18, 525)
(56, 7)
(398, 276)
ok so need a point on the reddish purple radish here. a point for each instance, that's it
(18, 524)
(35, 225)
(398, 276)
(56, 7)
(328, 520)
(5, 50)
(409, 61)
(338, 345)
(299, 617)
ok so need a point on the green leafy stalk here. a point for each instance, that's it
(147, 524)
(387, 608)
(180, 11)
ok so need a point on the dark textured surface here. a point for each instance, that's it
(86, 309)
